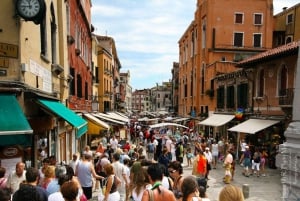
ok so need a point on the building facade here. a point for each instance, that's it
(219, 36)
(35, 82)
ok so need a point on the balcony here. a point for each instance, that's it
(286, 97)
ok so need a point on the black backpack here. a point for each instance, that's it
(177, 150)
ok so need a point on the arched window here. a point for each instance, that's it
(282, 81)
(261, 83)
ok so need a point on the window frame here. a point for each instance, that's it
(234, 39)
(236, 18)
(260, 40)
(290, 18)
(254, 19)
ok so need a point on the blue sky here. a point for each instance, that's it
(146, 33)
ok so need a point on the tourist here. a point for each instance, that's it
(140, 181)
(16, 177)
(5, 194)
(158, 192)
(227, 165)
(264, 156)
(231, 193)
(215, 153)
(247, 161)
(209, 159)
(111, 183)
(29, 190)
(190, 189)
(176, 172)
(256, 162)
(49, 175)
(53, 186)
(85, 171)
(3, 179)
(69, 191)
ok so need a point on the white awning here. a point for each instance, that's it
(181, 119)
(96, 120)
(117, 117)
(252, 126)
(217, 120)
(105, 118)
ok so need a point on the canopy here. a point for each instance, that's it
(95, 125)
(68, 115)
(107, 118)
(165, 124)
(12, 118)
(14, 127)
(253, 126)
(217, 120)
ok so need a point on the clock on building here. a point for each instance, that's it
(31, 10)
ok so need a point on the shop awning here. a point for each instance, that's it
(105, 118)
(253, 126)
(68, 115)
(14, 127)
(217, 120)
(117, 117)
(95, 125)
(12, 118)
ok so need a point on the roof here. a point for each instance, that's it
(284, 50)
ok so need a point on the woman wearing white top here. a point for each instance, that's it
(140, 182)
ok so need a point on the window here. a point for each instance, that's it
(230, 97)
(288, 40)
(261, 83)
(79, 85)
(72, 82)
(238, 18)
(220, 97)
(238, 39)
(289, 18)
(242, 95)
(256, 40)
(257, 19)
(282, 81)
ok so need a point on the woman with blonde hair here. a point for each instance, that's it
(231, 193)
(49, 175)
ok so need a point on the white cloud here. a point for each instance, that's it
(147, 32)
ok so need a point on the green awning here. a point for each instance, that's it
(12, 118)
(68, 115)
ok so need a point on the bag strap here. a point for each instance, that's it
(151, 198)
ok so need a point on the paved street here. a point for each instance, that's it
(261, 188)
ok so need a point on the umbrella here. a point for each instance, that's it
(165, 124)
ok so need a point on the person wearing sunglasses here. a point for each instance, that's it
(175, 171)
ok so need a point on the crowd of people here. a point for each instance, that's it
(151, 169)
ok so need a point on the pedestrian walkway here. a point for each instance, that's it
(261, 188)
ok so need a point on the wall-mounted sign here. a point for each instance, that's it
(8, 50)
(4, 62)
(3, 72)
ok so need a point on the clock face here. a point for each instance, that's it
(28, 8)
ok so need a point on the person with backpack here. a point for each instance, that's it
(256, 162)
(150, 149)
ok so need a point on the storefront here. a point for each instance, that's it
(15, 133)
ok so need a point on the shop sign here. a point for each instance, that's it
(10, 152)
(4, 62)
(8, 50)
